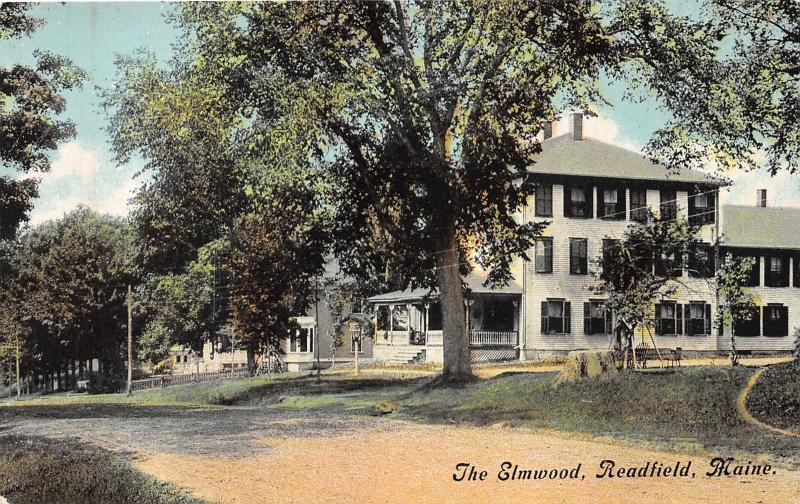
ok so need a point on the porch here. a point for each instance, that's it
(408, 324)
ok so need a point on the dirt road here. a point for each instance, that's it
(400, 462)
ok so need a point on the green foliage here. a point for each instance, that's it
(30, 101)
(626, 274)
(65, 290)
(185, 308)
(736, 301)
(730, 77)
(35, 470)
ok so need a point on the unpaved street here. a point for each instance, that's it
(264, 455)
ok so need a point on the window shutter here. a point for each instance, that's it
(721, 327)
(609, 322)
(621, 204)
(658, 319)
(711, 197)
(784, 311)
(692, 210)
(590, 202)
(587, 321)
(545, 324)
(708, 319)
(679, 317)
(567, 201)
(567, 317)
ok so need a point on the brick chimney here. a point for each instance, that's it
(576, 123)
(549, 129)
(761, 199)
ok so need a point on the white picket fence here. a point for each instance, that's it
(182, 379)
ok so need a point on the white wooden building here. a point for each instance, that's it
(590, 192)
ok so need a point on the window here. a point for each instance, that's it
(185, 358)
(669, 319)
(178, 359)
(544, 200)
(701, 261)
(578, 202)
(610, 246)
(776, 271)
(302, 340)
(544, 255)
(701, 208)
(596, 319)
(611, 204)
(578, 263)
(556, 316)
(354, 344)
(698, 319)
(754, 278)
(776, 320)
(750, 326)
(669, 204)
(639, 205)
(670, 265)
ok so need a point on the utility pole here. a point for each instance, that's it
(130, 338)
(316, 323)
(18, 389)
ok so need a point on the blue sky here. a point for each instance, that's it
(91, 34)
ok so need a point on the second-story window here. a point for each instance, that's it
(578, 202)
(669, 204)
(701, 208)
(701, 261)
(611, 204)
(638, 205)
(669, 265)
(544, 255)
(776, 271)
(578, 258)
(544, 200)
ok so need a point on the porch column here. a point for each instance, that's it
(408, 323)
(427, 307)
(391, 324)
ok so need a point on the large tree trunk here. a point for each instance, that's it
(457, 365)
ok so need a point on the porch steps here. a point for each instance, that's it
(406, 356)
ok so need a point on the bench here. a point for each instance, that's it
(644, 353)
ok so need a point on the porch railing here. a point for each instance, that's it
(498, 338)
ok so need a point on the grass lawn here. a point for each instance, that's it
(197, 394)
(36, 470)
(688, 408)
(775, 398)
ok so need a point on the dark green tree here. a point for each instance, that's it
(30, 102)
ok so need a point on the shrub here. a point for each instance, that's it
(101, 383)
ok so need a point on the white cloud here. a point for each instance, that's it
(83, 176)
(73, 161)
(783, 190)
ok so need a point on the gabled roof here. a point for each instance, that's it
(590, 157)
(761, 227)
(474, 283)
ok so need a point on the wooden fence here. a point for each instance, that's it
(168, 380)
